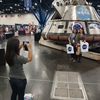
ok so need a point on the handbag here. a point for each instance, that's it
(78, 52)
(70, 49)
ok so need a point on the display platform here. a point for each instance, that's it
(9, 34)
(48, 43)
(2, 52)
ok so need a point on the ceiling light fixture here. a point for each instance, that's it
(10, 7)
(36, 4)
(98, 6)
(40, 1)
(90, 3)
(15, 4)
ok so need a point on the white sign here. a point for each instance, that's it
(94, 26)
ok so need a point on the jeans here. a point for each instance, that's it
(18, 88)
(74, 55)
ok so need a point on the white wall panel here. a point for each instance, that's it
(26, 19)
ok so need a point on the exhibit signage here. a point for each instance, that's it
(70, 49)
(76, 25)
(83, 13)
(84, 46)
(94, 26)
(27, 4)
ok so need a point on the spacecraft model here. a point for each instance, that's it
(70, 15)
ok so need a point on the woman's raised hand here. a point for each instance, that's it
(29, 45)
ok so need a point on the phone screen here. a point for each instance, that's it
(25, 43)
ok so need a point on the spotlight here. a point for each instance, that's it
(10, 7)
(15, 4)
(36, 4)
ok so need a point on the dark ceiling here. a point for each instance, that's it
(17, 6)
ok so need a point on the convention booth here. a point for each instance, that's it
(9, 34)
(20, 29)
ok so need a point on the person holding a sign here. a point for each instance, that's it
(72, 41)
(81, 37)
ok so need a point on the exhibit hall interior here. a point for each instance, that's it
(49, 49)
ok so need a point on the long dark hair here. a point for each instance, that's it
(12, 49)
(16, 30)
(76, 31)
(83, 31)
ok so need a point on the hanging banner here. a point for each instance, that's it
(27, 4)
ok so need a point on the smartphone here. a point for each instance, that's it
(25, 45)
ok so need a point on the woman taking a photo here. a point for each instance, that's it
(80, 37)
(15, 61)
(72, 41)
